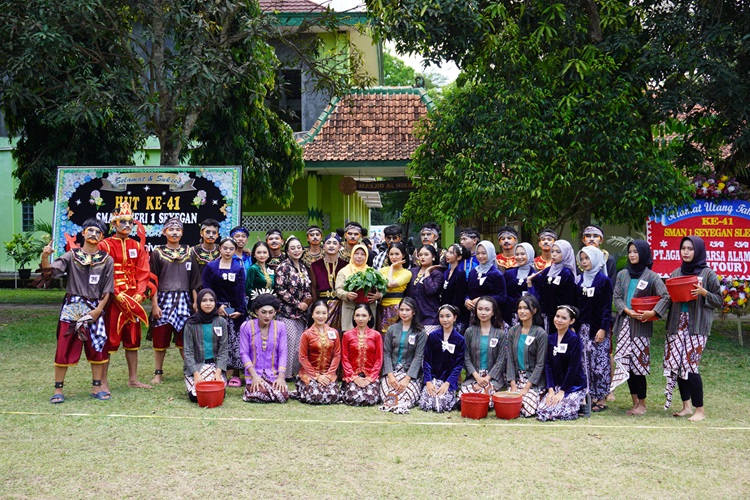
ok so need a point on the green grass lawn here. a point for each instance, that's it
(155, 443)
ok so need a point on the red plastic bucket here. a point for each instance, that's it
(679, 288)
(640, 304)
(507, 405)
(475, 405)
(361, 297)
(210, 393)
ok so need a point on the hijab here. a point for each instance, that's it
(351, 267)
(200, 317)
(699, 258)
(490, 249)
(523, 271)
(568, 259)
(645, 259)
(597, 261)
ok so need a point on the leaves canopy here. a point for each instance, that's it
(116, 72)
(552, 119)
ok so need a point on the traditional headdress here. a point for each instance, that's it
(173, 222)
(122, 212)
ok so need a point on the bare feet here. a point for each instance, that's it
(156, 380)
(137, 384)
(637, 410)
(683, 413)
(699, 415)
(610, 397)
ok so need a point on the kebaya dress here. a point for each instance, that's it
(361, 355)
(443, 362)
(267, 356)
(403, 352)
(486, 355)
(319, 354)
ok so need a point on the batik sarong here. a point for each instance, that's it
(315, 393)
(208, 372)
(682, 355)
(387, 316)
(530, 402)
(471, 386)
(440, 404)
(266, 394)
(596, 364)
(399, 402)
(354, 395)
(294, 329)
(334, 313)
(566, 409)
(632, 354)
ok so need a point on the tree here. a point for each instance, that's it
(548, 124)
(399, 74)
(162, 66)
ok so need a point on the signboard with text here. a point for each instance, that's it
(723, 225)
(155, 194)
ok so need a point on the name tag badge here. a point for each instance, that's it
(271, 272)
(529, 340)
(412, 339)
(94, 279)
(332, 334)
(700, 280)
(132, 253)
(493, 342)
(556, 281)
(481, 280)
(589, 291)
(188, 266)
(450, 347)
(218, 331)
(642, 285)
(231, 276)
(521, 282)
(445, 285)
(562, 348)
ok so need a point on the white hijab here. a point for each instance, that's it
(597, 262)
(523, 271)
(491, 262)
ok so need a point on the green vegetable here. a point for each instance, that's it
(366, 280)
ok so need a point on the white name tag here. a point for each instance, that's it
(556, 281)
(524, 293)
(562, 348)
(445, 285)
(589, 292)
(700, 280)
(94, 279)
(493, 342)
(481, 280)
(412, 339)
(332, 334)
(188, 265)
(271, 272)
(529, 340)
(231, 276)
(450, 347)
(132, 253)
(218, 331)
(641, 285)
(521, 282)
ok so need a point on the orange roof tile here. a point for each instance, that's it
(372, 125)
(290, 6)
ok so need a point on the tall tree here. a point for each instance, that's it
(161, 65)
(548, 123)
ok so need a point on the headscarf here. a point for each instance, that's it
(597, 261)
(699, 258)
(568, 259)
(351, 267)
(645, 259)
(491, 254)
(523, 271)
(200, 317)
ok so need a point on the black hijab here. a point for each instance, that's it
(199, 317)
(645, 259)
(699, 258)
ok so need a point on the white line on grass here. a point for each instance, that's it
(535, 425)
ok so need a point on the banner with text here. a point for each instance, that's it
(155, 194)
(723, 225)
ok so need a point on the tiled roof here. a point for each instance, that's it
(290, 6)
(372, 125)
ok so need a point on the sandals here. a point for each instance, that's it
(234, 382)
(598, 407)
(57, 398)
(101, 395)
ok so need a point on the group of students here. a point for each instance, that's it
(280, 312)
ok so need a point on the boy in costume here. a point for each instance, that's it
(546, 239)
(314, 250)
(176, 268)
(507, 237)
(207, 250)
(124, 314)
(81, 326)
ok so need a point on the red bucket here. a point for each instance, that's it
(475, 405)
(210, 393)
(640, 304)
(507, 405)
(679, 288)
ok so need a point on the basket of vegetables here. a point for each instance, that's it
(365, 282)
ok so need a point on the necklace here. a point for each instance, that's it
(264, 340)
(331, 273)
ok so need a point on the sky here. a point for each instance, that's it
(449, 70)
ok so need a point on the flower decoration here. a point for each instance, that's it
(711, 188)
(96, 199)
(200, 199)
(735, 294)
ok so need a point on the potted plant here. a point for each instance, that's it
(365, 282)
(22, 249)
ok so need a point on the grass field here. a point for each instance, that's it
(156, 444)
